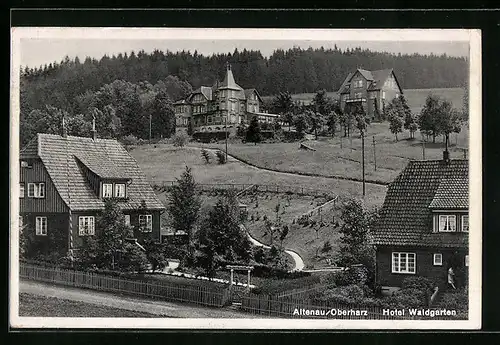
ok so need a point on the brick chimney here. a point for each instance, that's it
(94, 132)
(446, 153)
(64, 130)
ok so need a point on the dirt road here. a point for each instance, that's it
(160, 308)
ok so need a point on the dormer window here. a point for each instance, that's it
(119, 190)
(107, 190)
(447, 223)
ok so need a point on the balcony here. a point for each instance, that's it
(352, 100)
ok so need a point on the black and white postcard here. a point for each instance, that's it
(245, 178)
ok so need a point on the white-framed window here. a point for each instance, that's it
(465, 223)
(107, 190)
(403, 262)
(36, 190)
(383, 94)
(466, 261)
(146, 222)
(127, 219)
(86, 225)
(447, 223)
(21, 190)
(41, 226)
(437, 259)
(119, 190)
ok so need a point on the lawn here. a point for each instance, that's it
(40, 306)
(164, 162)
(342, 157)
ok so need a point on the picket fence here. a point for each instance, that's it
(298, 307)
(270, 188)
(167, 291)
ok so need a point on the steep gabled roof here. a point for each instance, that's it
(343, 88)
(366, 74)
(379, 78)
(406, 216)
(62, 157)
(228, 82)
(248, 92)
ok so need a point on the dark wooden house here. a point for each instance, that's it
(65, 181)
(371, 89)
(424, 224)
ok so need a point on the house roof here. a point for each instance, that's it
(343, 88)
(248, 92)
(406, 216)
(376, 78)
(228, 82)
(64, 159)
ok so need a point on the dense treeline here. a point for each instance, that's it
(158, 78)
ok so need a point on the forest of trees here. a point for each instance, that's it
(128, 88)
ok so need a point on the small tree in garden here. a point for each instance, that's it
(428, 119)
(155, 254)
(184, 204)
(180, 139)
(253, 131)
(206, 156)
(220, 236)
(332, 121)
(327, 247)
(301, 123)
(395, 123)
(221, 157)
(283, 234)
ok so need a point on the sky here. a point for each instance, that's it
(38, 51)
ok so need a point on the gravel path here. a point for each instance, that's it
(299, 263)
(160, 308)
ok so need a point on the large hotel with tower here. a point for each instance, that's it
(211, 108)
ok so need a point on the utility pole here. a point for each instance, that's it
(363, 160)
(423, 149)
(150, 118)
(374, 154)
(341, 142)
(225, 129)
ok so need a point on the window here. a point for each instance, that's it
(383, 94)
(438, 259)
(41, 226)
(107, 190)
(465, 223)
(119, 190)
(86, 225)
(447, 223)
(403, 262)
(397, 95)
(21, 190)
(146, 222)
(127, 219)
(36, 190)
(467, 261)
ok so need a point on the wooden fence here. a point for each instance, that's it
(306, 308)
(299, 190)
(167, 291)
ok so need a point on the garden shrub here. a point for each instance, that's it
(458, 300)
(221, 157)
(129, 140)
(180, 139)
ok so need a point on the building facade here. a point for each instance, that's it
(65, 182)
(372, 89)
(424, 224)
(211, 108)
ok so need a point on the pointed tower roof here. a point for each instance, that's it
(229, 82)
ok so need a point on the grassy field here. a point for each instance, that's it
(341, 156)
(415, 97)
(305, 240)
(164, 162)
(40, 306)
